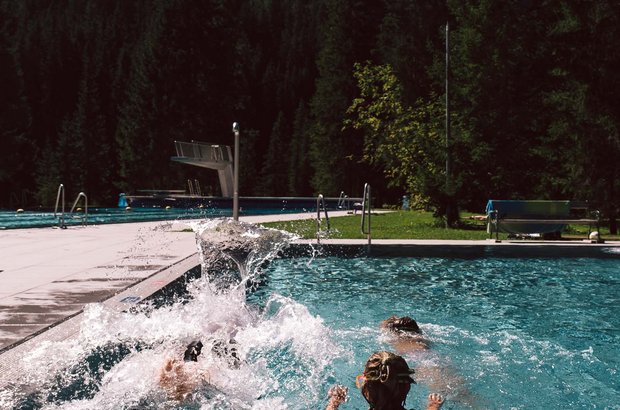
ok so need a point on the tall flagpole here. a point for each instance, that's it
(448, 153)
(236, 173)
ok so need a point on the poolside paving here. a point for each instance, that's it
(48, 275)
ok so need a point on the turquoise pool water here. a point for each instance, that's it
(506, 333)
(36, 219)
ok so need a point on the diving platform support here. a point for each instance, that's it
(212, 156)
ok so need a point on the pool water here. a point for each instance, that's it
(505, 333)
(38, 219)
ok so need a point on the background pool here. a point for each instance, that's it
(36, 219)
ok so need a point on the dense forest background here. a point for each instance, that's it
(330, 94)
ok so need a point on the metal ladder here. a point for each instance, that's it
(85, 214)
(342, 201)
(61, 219)
(366, 206)
(194, 187)
(320, 202)
(60, 197)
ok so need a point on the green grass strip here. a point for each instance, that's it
(407, 225)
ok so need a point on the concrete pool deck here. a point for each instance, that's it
(47, 275)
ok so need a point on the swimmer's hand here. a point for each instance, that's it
(435, 401)
(337, 395)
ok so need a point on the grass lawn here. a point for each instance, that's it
(407, 225)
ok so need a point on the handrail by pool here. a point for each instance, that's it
(61, 220)
(85, 216)
(366, 200)
(320, 202)
(190, 187)
(342, 200)
(194, 187)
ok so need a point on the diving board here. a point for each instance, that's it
(212, 156)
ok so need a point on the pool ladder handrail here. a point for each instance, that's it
(194, 187)
(61, 195)
(85, 215)
(343, 200)
(366, 209)
(61, 219)
(320, 202)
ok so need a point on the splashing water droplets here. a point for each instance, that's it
(232, 252)
(252, 358)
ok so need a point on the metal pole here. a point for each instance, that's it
(236, 173)
(448, 159)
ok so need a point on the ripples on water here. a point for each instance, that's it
(505, 333)
(522, 333)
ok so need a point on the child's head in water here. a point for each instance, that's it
(386, 381)
(405, 334)
(401, 324)
(177, 378)
(193, 351)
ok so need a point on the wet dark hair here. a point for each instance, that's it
(386, 381)
(401, 324)
(193, 351)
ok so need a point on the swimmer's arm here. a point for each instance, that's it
(164, 372)
(337, 395)
(435, 401)
(205, 376)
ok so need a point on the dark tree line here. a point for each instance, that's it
(95, 92)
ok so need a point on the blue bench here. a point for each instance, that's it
(537, 217)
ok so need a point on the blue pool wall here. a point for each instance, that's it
(481, 250)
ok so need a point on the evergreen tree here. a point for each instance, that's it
(498, 79)
(18, 150)
(347, 33)
(582, 145)
(299, 164)
(275, 165)
(96, 93)
(408, 38)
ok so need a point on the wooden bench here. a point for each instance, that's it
(537, 217)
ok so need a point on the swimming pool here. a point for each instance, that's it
(506, 333)
(39, 219)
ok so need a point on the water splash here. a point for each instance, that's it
(232, 253)
(282, 352)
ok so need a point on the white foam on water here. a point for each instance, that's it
(284, 351)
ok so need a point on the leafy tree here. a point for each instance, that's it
(407, 142)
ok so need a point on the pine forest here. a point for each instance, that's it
(329, 94)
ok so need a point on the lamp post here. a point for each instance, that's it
(235, 128)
